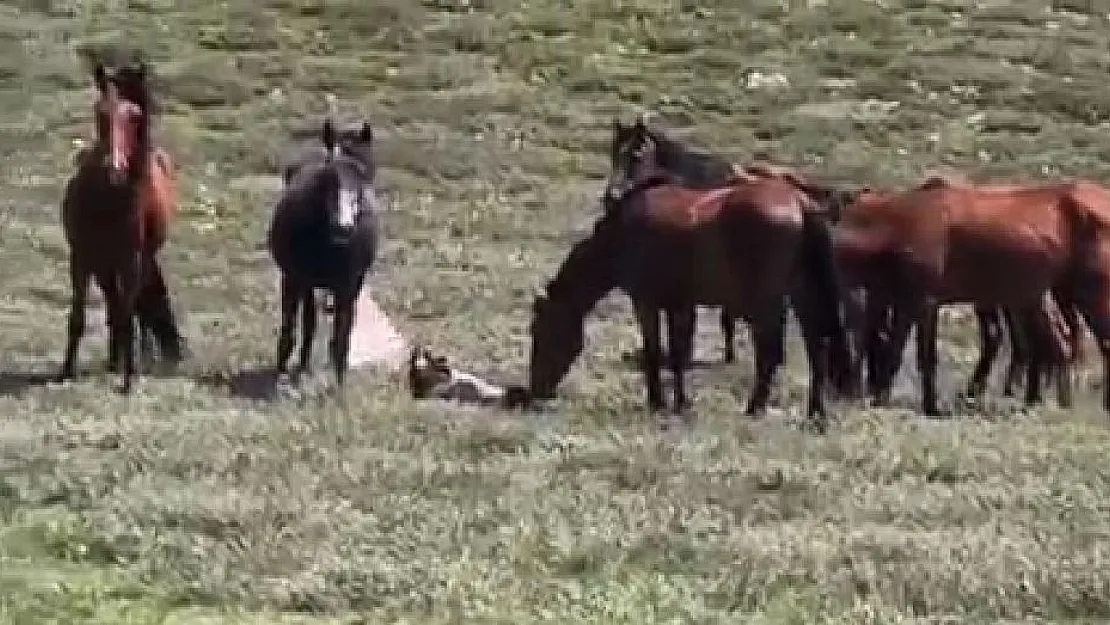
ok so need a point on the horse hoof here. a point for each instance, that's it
(818, 424)
(937, 413)
(754, 411)
(517, 397)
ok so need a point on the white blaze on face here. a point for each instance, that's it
(348, 207)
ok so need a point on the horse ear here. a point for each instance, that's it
(328, 135)
(100, 77)
(366, 133)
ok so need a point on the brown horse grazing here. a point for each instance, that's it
(999, 246)
(670, 248)
(116, 213)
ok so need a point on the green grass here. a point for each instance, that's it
(186, 504)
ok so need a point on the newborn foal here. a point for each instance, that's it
(430, 377)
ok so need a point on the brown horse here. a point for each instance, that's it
(1058, 351)
(670, 248)
(696, 169)
(116, 213)
(997, 246)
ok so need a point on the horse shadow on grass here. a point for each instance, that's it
(258, 383)
(630, 360)
(17, 383)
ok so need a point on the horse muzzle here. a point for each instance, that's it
(616, 192)
(117, 176)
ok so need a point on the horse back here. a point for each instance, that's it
(683, 208)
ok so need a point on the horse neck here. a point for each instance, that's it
(586, 275)
(669, 153)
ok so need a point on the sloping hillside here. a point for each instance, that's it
(189, 502)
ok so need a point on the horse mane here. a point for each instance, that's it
(938, 179)
(668, 148)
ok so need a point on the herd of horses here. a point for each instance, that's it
(678, 228)
(859, 266)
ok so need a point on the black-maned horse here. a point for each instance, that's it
(355, 140)
(324, 234)
(633, 144)
(691, 168)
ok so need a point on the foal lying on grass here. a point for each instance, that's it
(430, 377)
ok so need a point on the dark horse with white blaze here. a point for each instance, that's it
(670, 248)
(116, 213)
(323, 234)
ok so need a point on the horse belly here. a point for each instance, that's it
(1014, 267)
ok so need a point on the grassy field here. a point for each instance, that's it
(189, 503)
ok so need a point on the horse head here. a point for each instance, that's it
(633, 157)
(558, 316)
(347, 185)
(557, 338)
(121, 120)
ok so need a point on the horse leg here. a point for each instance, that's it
(79, 277)
(927, 356)
(130, 279)
(889, 349)
(1098, 320)
(877, 336)
(814, 333)
(1070, 353)
(342, 325)
(728, 328)
(680, 338)
(108, 288)
(648, 318)
(308, 329)
(990, 339)
(767, 336)
(155, 313)
(1038, 334)
(290, 300)
(855, 318)
(1019, 351)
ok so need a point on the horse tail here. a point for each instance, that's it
(155, 312)
(822, 280)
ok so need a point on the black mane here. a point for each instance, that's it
(692, 168)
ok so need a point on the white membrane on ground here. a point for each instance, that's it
(374, 339)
